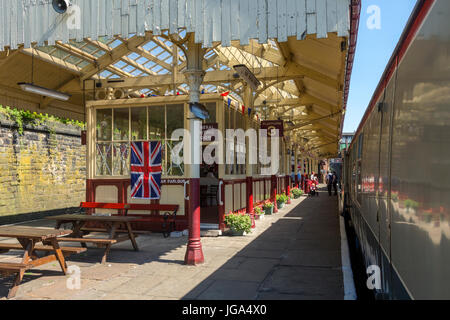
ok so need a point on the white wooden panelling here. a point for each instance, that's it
(34, 21)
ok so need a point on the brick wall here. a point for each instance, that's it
(41, 170)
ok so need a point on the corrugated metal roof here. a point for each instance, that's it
(35, 21)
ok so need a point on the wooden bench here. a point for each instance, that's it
(109, 226)
(167, 220)
(99, 242)
(102, 230)
(29, 238)
(67, 251)
(8, 268)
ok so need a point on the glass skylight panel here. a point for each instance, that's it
(90, 48)
(99, 53)
(150, 64)
(105, 74)
(120, 64)
(83, 64)
(137, 73)
(150, 46)
(129, 69)
(115, 43)
(142, 60)
(163, 71)
(157, 69)
(74, 60)
(133, 56)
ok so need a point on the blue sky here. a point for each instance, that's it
(375, 47)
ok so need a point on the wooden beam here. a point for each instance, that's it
(102, 63)
(75, 70)
(212, 77)
(112, 55)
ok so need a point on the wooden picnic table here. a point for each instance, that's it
(111, 225)
(29, 238)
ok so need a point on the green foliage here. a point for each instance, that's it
(239, 222)
(282, 198)
(297, 193)
(25, 117)
(258, 211)
(395, 197)
(411, 204)
(268, 205)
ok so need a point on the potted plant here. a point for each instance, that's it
(259, 214)
(239, 224)
(411, 204)
(281, 200)
(268, 208)
(297, 193)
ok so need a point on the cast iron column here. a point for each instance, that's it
(194, 75)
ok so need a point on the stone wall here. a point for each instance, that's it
(41, 170)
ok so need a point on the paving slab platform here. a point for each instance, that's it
(293, 255)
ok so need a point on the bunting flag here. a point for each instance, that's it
(203, 91)
(229, 103)
(225, 94)
(243, 110)
(249, 112)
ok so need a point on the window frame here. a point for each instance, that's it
(93, 137)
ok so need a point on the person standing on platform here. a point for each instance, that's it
(316, 182)
(335, 182)
(329, 182)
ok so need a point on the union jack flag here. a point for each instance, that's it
(146, 170)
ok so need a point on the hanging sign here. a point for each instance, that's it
(272, 125)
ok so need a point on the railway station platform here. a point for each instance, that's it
(293, 255)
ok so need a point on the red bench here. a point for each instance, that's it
(167, 222)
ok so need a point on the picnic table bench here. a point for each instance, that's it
(111, 225)
(167, 221)
(29, 238)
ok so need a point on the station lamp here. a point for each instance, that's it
(61, 6)
(247, 76)
(30, 87)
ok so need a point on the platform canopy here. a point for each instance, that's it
(300, 50)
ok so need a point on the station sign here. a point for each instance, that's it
(173, 182)
(271, 126)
